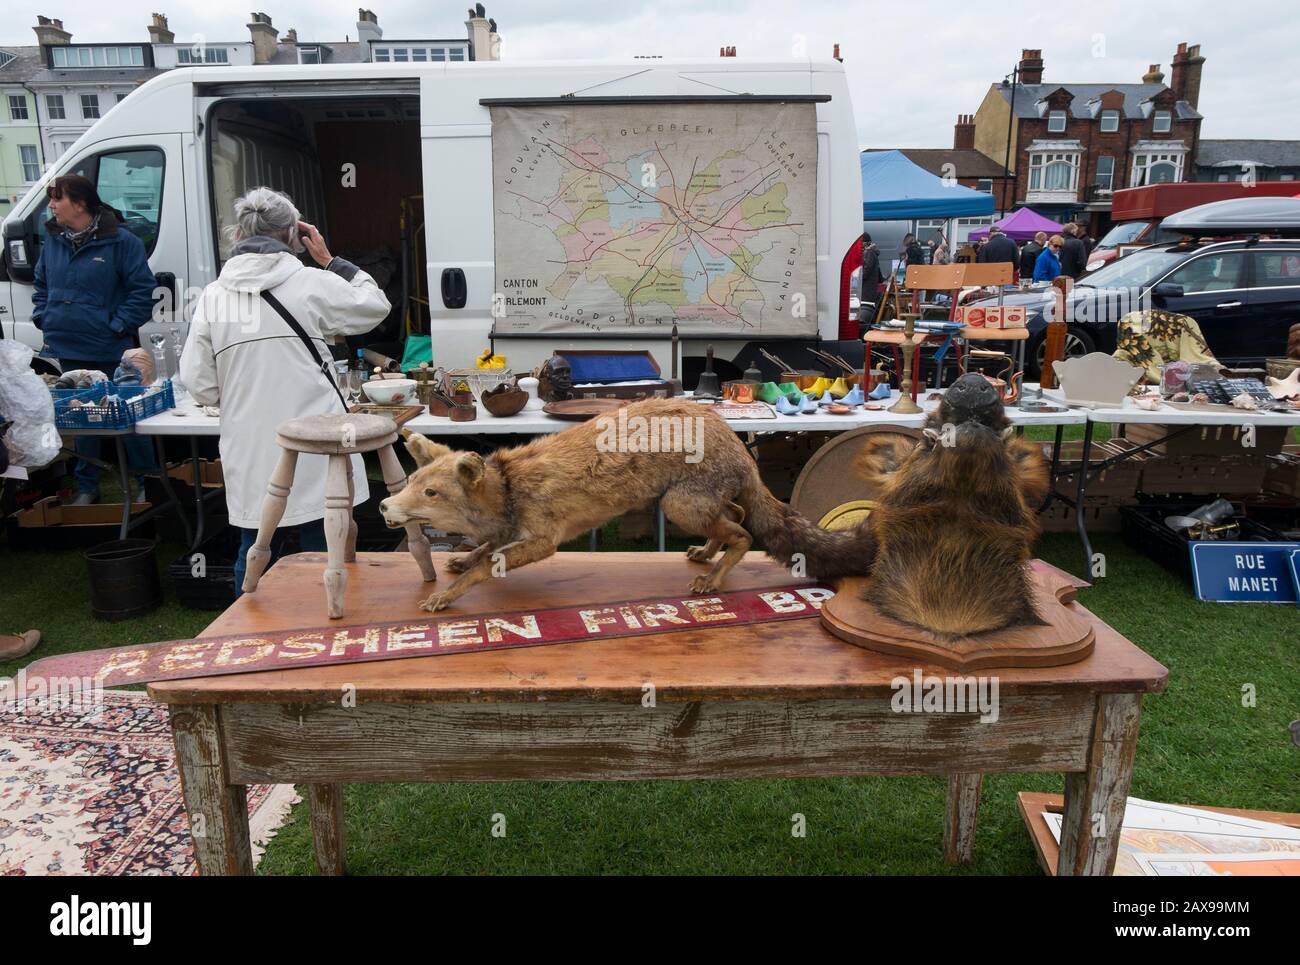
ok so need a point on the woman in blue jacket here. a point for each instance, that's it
(93, 290)
(1048, 265)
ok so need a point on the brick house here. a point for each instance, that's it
(1073, 145)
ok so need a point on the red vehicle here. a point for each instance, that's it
(1138, 212)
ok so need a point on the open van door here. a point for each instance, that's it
(143, 178)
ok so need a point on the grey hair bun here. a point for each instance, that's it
(264, 212)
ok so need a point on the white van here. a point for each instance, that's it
(530, 206)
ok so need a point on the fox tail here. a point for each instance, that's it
(790, 538)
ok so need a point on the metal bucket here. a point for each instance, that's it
(123, 578)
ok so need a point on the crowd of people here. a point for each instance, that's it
(1044, 256)
(1040, 259)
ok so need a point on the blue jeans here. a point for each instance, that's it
(139, 457)
(311, 539)
(139, 449)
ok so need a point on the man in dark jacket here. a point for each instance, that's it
(871, 276)
(998, 249)
(92, 291)
(913, 253)
(1074, 254)
(1029, 253)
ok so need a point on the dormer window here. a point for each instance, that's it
(1109, 122)
(1160, 122)
(309, 55)
(1056, 122)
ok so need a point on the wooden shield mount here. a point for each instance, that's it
(1066, 635)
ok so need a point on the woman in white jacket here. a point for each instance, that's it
(242, 356)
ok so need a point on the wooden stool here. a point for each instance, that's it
(339, 437)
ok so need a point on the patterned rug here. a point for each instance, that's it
(93, 790)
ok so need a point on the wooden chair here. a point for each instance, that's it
(339, 437)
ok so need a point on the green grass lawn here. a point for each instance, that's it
(1198, 745)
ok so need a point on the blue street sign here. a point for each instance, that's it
(1294, 561)
(1244, 572)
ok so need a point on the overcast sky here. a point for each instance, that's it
(912, 67)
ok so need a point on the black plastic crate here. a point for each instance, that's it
(215, 588)
(1144, 529)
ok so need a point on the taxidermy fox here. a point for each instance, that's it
(956, 516)
(522, 503)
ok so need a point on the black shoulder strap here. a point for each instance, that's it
(325, 368)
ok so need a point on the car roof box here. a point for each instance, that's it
(1273, 216)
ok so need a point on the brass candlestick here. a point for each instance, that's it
(905, 405)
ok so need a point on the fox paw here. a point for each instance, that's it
(439, 601)
(704, 584)
(699, 554)
(457, 564)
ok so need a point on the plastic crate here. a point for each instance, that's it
(97, 408)
(212, 585)
(1144, 530)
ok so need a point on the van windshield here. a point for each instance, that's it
(1123, 234)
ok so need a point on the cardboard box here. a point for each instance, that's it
(1282, 472)
(209, 471)
(1208, 440)
(1205, 475)
(51, 512)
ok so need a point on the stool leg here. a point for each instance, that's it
(338, 511)
(350, 554)
(416, 544)
(277, 495)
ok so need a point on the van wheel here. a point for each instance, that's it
(1077, 343)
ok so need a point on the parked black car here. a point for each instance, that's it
(1244, 294)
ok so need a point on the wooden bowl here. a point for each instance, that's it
(505, 400)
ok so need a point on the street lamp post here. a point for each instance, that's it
(1006, 163)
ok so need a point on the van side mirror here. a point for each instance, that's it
(19, 261)
(1165, 290)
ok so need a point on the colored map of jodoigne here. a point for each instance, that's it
(610, 218)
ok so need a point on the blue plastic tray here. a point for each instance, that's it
(106, 405)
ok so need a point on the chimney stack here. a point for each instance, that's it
(368, 30)
(479, 32)
(494, 41)
(963, 133)
(50, 33)
(264, 36)
(159, 33)
(1185, 73)
(726, 51)
(835, 54)
(1031, 66)
(1153, 75)
(290, 36)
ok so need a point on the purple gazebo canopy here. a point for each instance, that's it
(1021, 226)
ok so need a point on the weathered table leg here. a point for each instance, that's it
(1095, 798)
(327, 827)
(218, 810)
(960, 816)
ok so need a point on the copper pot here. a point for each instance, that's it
(802, 378)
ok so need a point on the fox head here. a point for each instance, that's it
(456, 492)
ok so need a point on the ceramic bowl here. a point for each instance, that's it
(389, 391)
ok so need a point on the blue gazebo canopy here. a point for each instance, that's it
(895, 189)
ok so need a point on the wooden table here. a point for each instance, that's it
(762, 701)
